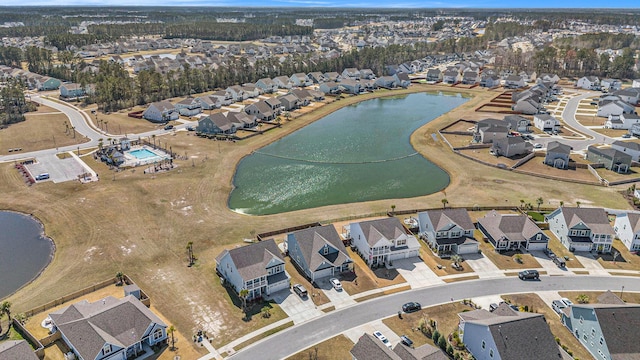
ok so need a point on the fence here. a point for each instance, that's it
(287, 230)
(524, 160)
(30, 338)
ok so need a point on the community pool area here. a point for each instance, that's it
(143, 156)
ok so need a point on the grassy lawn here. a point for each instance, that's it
(536, 166)
(366, 278)
(590, 120)
(560, 250)
(39, 131)
(337, 347)
(486, 156)
(629, 297)
(558, 330)
(119, 123)
(316, 295)
(506, 260)
(625, 261)
(441, 267)
(634, 173)
(140, 224)
(458, 140)
(536, 216)
(611, 132)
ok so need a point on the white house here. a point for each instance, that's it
(258, 268)
(614, 107)
(582, 229)
(588, 82)
(627, 228)
(635, 83)
(546, 122)
(610, 84)
(628, 147)
(383, 240)
(448, 231)
(622, 121)
(161, 111)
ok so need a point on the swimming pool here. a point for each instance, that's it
(143, 154)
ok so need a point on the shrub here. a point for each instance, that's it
(435, 336)
(442, 343)
(526, 308)
(450, 350)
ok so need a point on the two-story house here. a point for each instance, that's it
(318, 252)
(258, 268)
(558, 155)
(511, 232)
(17, 350)
(369, 348)
(627, 228)
(629, 147)
(582, 229)
(383, 240)
(161, 111)
(511, 146)
(448, 231)
(546, 122)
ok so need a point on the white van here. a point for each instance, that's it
(43, 176)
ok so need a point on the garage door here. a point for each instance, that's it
(581, 247)
(323, 273)
(537, 246)
(278, 286)
(467, 248)
(404, 254)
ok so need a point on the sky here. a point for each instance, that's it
(343, 3)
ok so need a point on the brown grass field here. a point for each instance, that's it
(42, 129)
(337, 347)
(140, 224)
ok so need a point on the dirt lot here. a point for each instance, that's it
(629, 297)
(626, 260)
(634, 173)
(536, 166)
(590, 120)
(486, 156)
(458, 140)
(43, 129)
(611, 132)
(335, 348)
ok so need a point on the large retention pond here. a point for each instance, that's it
(24, 251)
(358, 153)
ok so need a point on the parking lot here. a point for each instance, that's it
(59, 170)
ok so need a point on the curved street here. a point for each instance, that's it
(299, 337)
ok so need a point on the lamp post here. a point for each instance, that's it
(621, 291)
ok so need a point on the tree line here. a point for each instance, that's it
(13, 105)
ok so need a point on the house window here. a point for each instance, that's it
(581, 319)
(157, 334)
(325, 251)
(538, 237)
(601, 340)
(584, 337)
(483, 344)
(593, 332)
(401, 242)
(491, 353)
(106, 349)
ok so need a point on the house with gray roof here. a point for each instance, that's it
(527, 106)
(607, 331)
(370, 348)
(434, 75)
(489, 80)
(333, 76)
(283, 82)
(16, 350)
(489, 130)
(318, 252)
(607, 108)
(267, 85)
(627, 229)
(161, 111)
(216, 123)
(518, 123)
(189, 107)
(588, 83)
(382, 241)
(628, 147)
(581, 229)
(289, 102)
(350, 86)
(351, 73)
(546, 122)
(448, 231)
(109, 328)
(258, 268)
(317, 77)
(511, 146)
(514, 82)
(512, 232)
(509, 335)
(557, 155)
(451, 77)
(623, 121)
(329, 87)
(262, 110)
(300, 79)
(612, 159)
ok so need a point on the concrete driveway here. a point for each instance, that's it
(416, 272)
(591, 264)
(482, 266)
(298, 309)
(548, 265)
(339, 299)
(59, 170)
(355, 333)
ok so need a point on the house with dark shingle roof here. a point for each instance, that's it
(511, 232)
(215, 123)
(558, 155)
(607, 331)
(627, 229)
(318, 252)
(434, 75)
(261, 110)
(109, 328)
(370, 348)
(508, 335)
(511, 146)
(161, 111)
(448, 231)
(382, 241)
(581, 229)
(628, 147)
(612, 159)
(16, 350)
(258, 268)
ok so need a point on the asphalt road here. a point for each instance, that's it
(299, 337)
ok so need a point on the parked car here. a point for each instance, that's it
(406, 341)
(191, 128)
(168, 127)
(493, 306)
(626, 136)
(538, 146)
(559, 261)
(529, 275)
(557, 306)
(300, 290)
(382, 338)
(566, 302)
(411, 307)
(336, 284)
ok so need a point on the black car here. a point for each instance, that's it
(529, 275)
(168, 127)
(411, 307)
(405, 340)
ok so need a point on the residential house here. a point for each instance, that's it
(434, 75)
(382, 241)
(46, 83)
(367, 74)
(283, 82)
(507, 334)
(222, 98)
(448, 231)
(330, 87)
(557, 155)
(589, 83)
(528, 76)
(402, 79)
(17, 350)
(514, 82)
(317, 77)
(237, 93)
(489, 130)
(109, 328)
(622, 121)
(189, 107)
(512, 232)
(386, 82)
(267, 85)
(304, 98)
(333, 76)
(548, 78)
(630, 95)
(242, 120)
(489, 81)
(607, 108)
(629, 147)
(350, 86)
(527, 106)
(546, 122)
(606, 330)
(300, 79)
(318, 252)
(289, 102)
(262, 110)
(627, 229)
(71, 90)
(470, 78)
(518, 123)
(214, 124)
(635, 84)
(451, 77)
(369, 348)
(581, 229)
(511, 146)
(207, 102)
(258, 268)
(161, 111)
(611, 84)
(612, 159)
(351, 73)
(251, 91)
